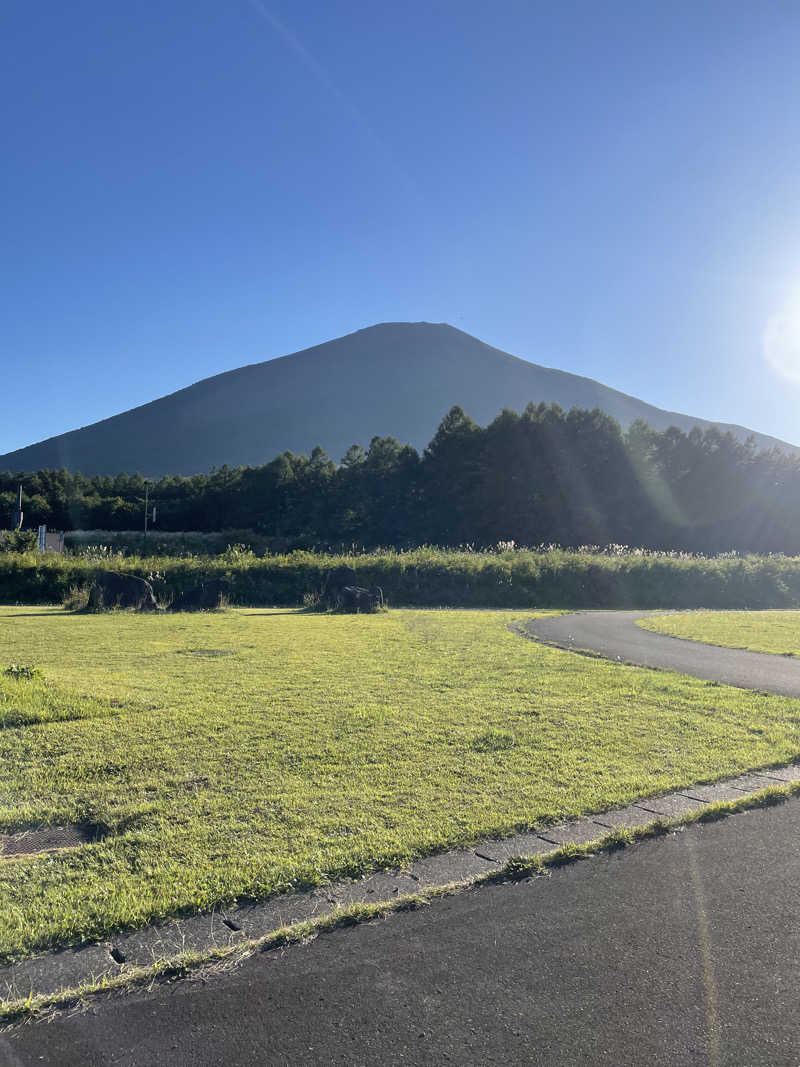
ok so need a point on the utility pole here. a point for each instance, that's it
(147, 515)
(16, 516)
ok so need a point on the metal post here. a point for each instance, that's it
(16, 518)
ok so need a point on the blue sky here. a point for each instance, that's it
(612, 189)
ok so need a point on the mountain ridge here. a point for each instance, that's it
(395, 379)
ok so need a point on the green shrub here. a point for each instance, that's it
(18, 540)
(431, 577)
(77, 599)
(104, 544)
(314, 601)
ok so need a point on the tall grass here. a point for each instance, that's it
(432, 577)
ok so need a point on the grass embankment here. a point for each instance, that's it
(321, 747)
(431, 577)
(764, 631)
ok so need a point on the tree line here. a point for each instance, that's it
(545, 476)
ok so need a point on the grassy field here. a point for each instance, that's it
(250, 752)
(759, 631)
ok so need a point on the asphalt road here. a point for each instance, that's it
(615, 635)
(680, 950)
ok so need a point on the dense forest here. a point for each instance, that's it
(545, 476)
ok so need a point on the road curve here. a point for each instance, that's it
(615, 635)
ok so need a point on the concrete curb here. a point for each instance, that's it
(50, 974)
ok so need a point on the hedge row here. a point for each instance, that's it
(433, 578)
(167, 543)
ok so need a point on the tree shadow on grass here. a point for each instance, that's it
(266, 613)
(36, 614)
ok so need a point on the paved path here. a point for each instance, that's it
(677, 951)
(615, 635)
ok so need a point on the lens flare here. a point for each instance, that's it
(782, 344)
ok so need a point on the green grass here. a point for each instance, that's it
(759, 631)
(23, 702)
(323, 746)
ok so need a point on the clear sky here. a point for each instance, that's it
(609, 188)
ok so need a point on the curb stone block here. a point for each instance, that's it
(751, 783)
(502, 849)
(258, 920)
(784, 774)
(197, 933)
(577, 833)
(380, 886)
(453, 866)
(46, 975)
(670, 806)
(623, 818)
(710, 794)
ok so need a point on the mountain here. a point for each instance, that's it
(395, 378)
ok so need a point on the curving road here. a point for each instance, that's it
(615, 635)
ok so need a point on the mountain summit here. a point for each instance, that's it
(396, 378)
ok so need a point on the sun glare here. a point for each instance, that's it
(782, 343)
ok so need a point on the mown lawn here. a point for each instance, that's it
(759, 631)
(246, 753)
